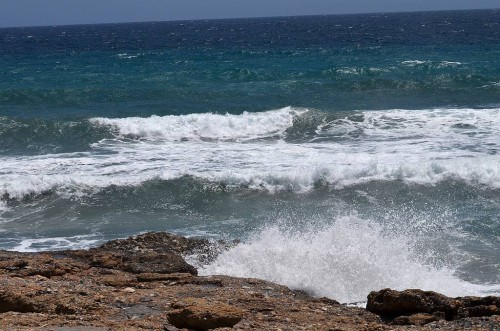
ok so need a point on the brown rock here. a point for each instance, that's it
(13, 264)
(117, 279)
(156, 263)
(20, 295)
(18, 303)
(200, 314)
(87, 290)
(148, 253)
(45, 265)
(142, 262)
(417, 319)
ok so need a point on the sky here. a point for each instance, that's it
(62, 12)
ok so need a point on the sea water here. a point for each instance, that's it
(348, 153)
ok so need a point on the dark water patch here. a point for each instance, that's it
(316, 126)
(464, 126)
(347, 62)
(192, 196)
(369, 29)
(41, 136)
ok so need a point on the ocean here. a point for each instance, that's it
(347, 153)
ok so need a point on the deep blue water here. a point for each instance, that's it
(321, 133)
(326, 62)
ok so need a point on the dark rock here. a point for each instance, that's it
(328, 301)
(65, 309)
(143, 262)
(158, 263)
(479, 311)
(400, 306)
(158, 242)
(154, 277)
(480, 301)
(76, 328)
(148, 253)
(478, 307)
(200, 314)
(389, 303)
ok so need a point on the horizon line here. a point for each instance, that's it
(246, 17)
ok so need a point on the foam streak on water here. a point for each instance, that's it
(58, 243)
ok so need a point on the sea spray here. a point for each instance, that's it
(343, 261)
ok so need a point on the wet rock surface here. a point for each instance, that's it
(143, 283)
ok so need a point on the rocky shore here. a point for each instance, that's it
(144, 283)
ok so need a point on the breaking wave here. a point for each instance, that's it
(343, 261)
(287, 149)
(246, 126)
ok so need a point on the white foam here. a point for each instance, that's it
(413, 62)
(205, 126)
(3, 206)
(348, 71)
(451, 63)
(343, 261)
(129, 56)
(438, 64)
(3, 209)
(56, 243)
(359, 71)
(412, 146)
(436, 124)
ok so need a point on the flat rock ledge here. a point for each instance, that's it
(144, 283)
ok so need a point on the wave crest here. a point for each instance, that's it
(313, 149)
(207, 126)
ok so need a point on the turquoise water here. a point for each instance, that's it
(368, 141)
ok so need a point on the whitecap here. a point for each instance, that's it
(413, 62)
(205, 126)
(422, 147)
